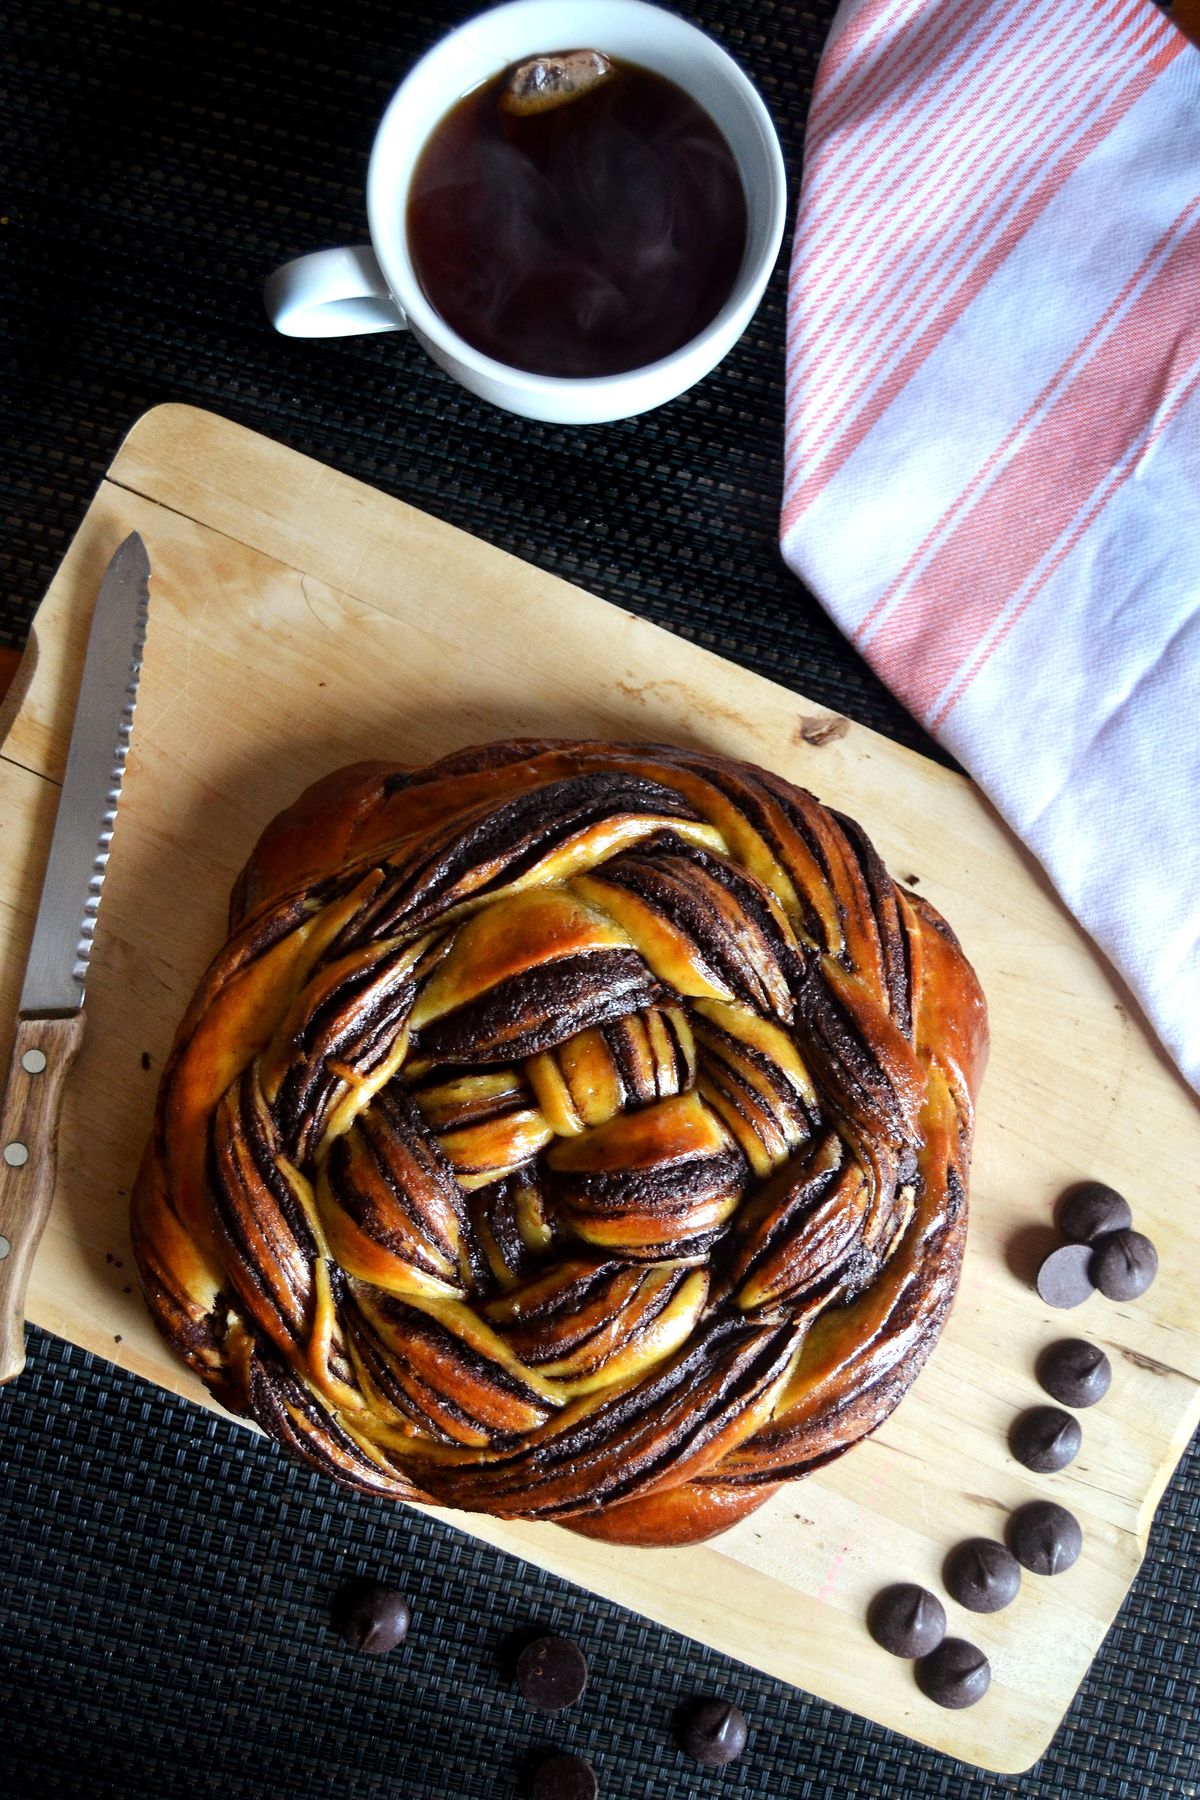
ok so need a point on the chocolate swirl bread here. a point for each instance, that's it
(567, 1131)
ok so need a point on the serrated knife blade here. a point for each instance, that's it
(87, 809)
(50, 1012)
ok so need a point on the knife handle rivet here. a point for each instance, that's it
(33, 1062)
(5, 1247)
(15, 1155)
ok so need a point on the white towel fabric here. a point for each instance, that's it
(993, 443)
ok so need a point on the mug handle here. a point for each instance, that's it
(332, 293)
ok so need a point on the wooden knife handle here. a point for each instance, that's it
(43, 1051)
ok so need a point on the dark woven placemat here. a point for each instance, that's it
(165, 1619)
(163, 1613)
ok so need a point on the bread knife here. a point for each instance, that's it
(50, 1012)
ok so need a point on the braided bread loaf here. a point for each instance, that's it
(568, 1131)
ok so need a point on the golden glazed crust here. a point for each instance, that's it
(570, 1131)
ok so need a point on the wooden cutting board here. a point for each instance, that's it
(299, 621)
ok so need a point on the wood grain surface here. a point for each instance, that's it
(299, 620)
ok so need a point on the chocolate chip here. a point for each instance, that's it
(1123, 1264)
(371, 1616)
(1075, 1372)
(565, 1778)
(982, 1575)
(1091, 1209)
(712, 1731)
(1045, 1440)
(1045, 1537)
(551, 1673)
(1064, 1279)
(907, 1620)
(956, 1674)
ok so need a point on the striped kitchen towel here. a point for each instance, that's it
(993, 429)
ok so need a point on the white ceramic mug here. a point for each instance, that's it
(338, 293)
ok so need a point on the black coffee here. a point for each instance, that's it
(586, 236)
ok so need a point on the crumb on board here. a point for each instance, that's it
(820, 729)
